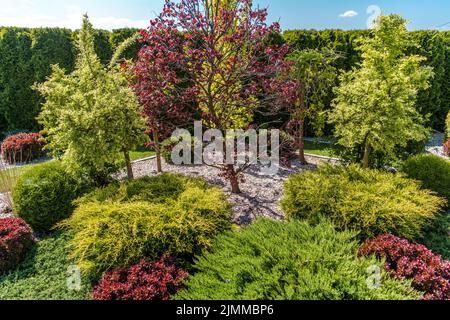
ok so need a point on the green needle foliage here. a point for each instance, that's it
(91, 115)
(375, 105)
(290, 261)
(370, 202)
(44, 274)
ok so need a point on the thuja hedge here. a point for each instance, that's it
(26, 56)
(434, 45)
(29, 53)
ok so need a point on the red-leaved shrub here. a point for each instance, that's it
(447, 148)
(16, 239)
(145, 281)
(428, 271)
(23, 147)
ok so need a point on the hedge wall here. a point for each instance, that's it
(27, 54)
(434, 45)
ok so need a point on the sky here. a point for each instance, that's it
(292, 14)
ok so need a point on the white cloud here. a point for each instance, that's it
(23, 14)
(349, 14)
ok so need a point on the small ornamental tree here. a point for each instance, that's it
(375, 105)
(161, 83)
(90, 115)
(221, 48)
(314, 70)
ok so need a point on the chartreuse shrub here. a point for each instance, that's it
(45, 274)
(43, 195)
(116, 230)
(432, 171)
(370, 202)
(272, 260)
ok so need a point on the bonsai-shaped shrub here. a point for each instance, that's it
(271, 260)
(432, 171)
(43, 195)
(144, 281)
(23, 147)
(124, 228)
(16, 239)
(429, 272)
(370, 202)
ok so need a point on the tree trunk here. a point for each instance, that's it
(158, 152)
(128, 163)
(232, 176)
(366, 158)
(301, 142)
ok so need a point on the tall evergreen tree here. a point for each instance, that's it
(90, 115)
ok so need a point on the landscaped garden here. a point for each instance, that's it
(94, 206)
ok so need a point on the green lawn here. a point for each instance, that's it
(137, 155)
(44, 274)
(320, 149)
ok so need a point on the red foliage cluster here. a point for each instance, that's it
(447, 148)
(16, 239)
(23, 147)
(428, 271)
(143, 282)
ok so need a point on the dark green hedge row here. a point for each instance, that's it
(434, 45)
(26, 56)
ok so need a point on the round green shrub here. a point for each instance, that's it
(119, 232)
(432, 171)
(43, 195)
(370, 202)
(272, 260)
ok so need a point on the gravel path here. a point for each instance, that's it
(260, 194)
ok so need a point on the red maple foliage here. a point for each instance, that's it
(16, 239)
(216, 56)
(145, 281)
(428, 271)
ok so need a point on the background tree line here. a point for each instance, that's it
(26, 56)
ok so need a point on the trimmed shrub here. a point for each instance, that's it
(43, 195)
(16, 239)
(370, 202)
(272, 260)
(144, 281)
(432, 171)
(429, 272)
(23, 147)
(157, 189)
(111, 235)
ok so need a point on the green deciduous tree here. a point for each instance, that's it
(317, 74)
(90, 115)
(376, 103)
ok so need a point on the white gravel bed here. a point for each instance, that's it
(260, 194)
(5, 211)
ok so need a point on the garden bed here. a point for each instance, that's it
(260, 194)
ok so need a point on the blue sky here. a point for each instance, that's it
(309, 14)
